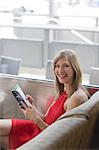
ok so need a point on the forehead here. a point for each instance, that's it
(63, 60)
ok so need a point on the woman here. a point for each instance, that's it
(69, 94)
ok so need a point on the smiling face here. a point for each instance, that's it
(64, 71)
(67, 71)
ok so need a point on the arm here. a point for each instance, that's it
(31, 100)
(49, 104)
(33, 114)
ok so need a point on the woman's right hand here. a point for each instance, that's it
(23, 106)
(29, 112)
(31, 109)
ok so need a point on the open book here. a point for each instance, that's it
(20, 96)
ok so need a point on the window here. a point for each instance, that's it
(67, 12)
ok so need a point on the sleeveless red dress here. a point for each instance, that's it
(24, 130)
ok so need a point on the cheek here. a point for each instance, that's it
(71, 72)
(72, 75)
(55, 71)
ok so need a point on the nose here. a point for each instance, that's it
(61, 69)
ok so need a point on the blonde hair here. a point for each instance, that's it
(73, 60)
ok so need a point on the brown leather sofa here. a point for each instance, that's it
(77, 129)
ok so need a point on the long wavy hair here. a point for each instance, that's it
(73, 60)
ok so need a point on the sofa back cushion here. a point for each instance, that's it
(92, 89)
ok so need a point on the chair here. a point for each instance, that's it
(10, 65)
(94, 75)
(49, 73)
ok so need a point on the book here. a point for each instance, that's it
(20, 96)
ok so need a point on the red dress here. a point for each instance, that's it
(24, 130)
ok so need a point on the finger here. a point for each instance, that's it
(28, 97)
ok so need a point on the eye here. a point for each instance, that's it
(66, 65)
(56, 66)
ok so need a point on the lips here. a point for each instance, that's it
(62, 76)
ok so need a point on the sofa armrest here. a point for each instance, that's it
(62, 134)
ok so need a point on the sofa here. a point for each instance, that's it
(75, 129)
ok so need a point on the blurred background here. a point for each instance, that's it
(34, 31)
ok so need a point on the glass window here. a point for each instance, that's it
(77, 12)
(38, 6)
(39, 11)
(9, 9)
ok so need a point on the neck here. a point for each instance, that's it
(68, 89)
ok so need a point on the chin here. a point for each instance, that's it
(62, 81)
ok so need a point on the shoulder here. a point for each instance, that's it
(77, 98)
